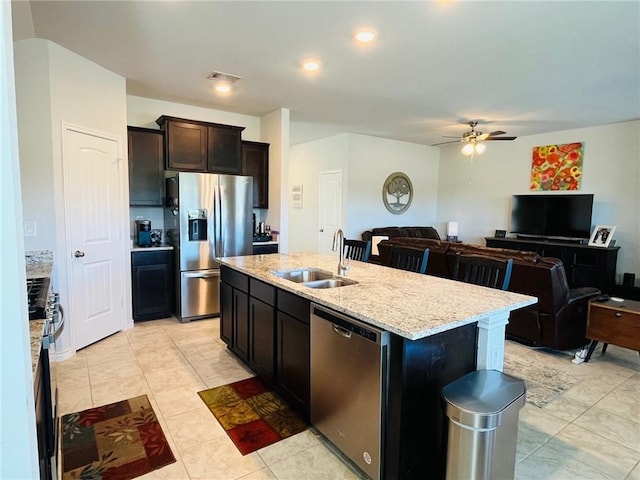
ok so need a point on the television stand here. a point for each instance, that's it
(585, 266)
(574, 241)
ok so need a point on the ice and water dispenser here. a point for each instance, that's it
(197, 224)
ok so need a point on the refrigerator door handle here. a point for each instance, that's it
(217, 221)
(202, 275)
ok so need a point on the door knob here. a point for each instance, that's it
(78, 254)
(321, 230)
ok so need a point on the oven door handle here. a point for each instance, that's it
(57, 325)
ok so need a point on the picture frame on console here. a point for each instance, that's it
(602, 235)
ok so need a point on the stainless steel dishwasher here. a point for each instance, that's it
(349, 385)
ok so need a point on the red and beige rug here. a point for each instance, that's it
(252, 415)
(119, 441)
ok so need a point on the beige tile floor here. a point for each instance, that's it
(590, 432)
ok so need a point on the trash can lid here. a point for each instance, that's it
(479, 398)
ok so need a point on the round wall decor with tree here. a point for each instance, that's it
(397, 193)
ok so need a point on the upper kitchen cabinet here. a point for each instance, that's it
(146, 167)
(255, 163)
(201, 146)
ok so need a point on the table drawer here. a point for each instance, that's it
(618, 326)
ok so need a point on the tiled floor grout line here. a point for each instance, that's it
(186, 344)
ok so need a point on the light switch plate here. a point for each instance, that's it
(30, 228)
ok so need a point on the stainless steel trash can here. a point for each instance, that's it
(483, 408)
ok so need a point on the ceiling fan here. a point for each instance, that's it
(473, 139)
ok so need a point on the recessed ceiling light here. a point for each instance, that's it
(365, 35)
(311, 65)
(223, 87)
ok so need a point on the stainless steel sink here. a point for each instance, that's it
(313, 278)
(302, 275)
(330, 283)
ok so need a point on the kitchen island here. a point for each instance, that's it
(439, 331)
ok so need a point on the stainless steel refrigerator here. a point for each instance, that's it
(207, 216)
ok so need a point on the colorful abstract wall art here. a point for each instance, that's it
(556, 167)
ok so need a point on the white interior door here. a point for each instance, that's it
(330, 208)
(92, 202)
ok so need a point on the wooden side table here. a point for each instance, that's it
(613, 322)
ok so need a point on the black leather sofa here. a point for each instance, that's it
(557, 321)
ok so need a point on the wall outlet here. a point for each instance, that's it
(30, 228)
(495, 357)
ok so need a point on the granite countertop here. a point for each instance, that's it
(39, 264)
(36, 328)
(409, 304)
(135, 248)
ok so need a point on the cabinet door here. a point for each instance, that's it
(293, 358)
(152, 292)
(241, 324)
(186, 145)
(226, 313)
(224, 145)
(146, 167)
(262, 338)
(255, 163)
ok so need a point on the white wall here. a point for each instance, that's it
(611, 171)
(306, 161)
(371, 161)
(366, 162)
(143, 112)
(275, 131)
(83, 94)
(18, 443)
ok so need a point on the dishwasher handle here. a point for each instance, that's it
(343, 332)
(349, 327)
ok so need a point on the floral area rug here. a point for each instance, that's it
(544, 384)
(119, 441)
(252, 415)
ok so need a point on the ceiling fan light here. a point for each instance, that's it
(480, 147)
(467, 149)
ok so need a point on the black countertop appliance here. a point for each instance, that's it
(143, 233)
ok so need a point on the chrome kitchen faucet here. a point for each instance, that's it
(338, 244)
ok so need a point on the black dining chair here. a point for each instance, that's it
(410, 259)
(357, 250)
(481, 270)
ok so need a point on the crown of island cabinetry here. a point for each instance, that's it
(439, 330)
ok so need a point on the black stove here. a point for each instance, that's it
(37, 292)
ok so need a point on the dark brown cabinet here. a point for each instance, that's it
(234, 311)
(585, 266)
(293, 350)
(152, 284)
(262, 329)
(201, 146)
(226, 313)
(241, 324)
(268, 329)
(146, 167)
(255, 163)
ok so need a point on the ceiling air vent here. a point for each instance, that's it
(224, 77)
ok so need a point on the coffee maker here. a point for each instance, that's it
(143, 233)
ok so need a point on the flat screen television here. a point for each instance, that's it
(559, 216)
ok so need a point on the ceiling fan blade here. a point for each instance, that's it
(444, 143)
(500, 138)
(497, 132)
(450, 136)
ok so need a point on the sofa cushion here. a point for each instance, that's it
(426, 232)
